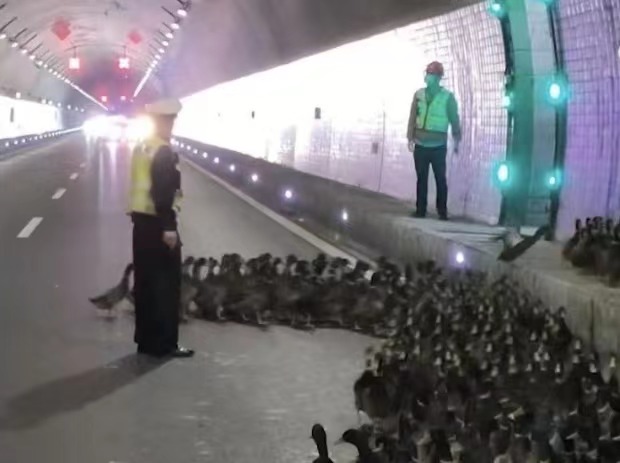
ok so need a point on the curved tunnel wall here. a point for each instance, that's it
(591, 37)
(363, 92)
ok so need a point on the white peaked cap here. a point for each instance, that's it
(167, 107)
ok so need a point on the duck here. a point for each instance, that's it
(190, 269)
(360, 441)
(112, 297)
(584, 253)
(570, 245)
(319, 436)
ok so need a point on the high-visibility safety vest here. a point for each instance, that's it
(141, 200)
(433, 117)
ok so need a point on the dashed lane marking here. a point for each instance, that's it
(30, 227)
(59, 193)
(74, 175)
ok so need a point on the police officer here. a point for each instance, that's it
(433, 110)
(155, 197)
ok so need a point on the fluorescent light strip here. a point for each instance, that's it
(142, 82)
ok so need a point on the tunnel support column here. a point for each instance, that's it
(531, 145)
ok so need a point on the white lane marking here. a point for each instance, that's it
(30, 227)
(83, 165)
(314, 240)
(74, 175)
(59, 193)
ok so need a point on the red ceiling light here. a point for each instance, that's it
(61, 28)
(74, 63)
(123, 62)
(135, 36)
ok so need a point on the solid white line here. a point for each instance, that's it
(59, 193)
(314, 240)
(74, 176)
(30, 227)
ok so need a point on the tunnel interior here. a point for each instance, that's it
(298, 190)
(254, 56)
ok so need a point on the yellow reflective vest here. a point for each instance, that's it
(433, 117)
(141, 200)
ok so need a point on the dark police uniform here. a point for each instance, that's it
(155, 193)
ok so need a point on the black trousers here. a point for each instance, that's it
(157, 283)
(425, 158)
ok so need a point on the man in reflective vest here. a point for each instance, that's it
(155, 198)
(433, 111)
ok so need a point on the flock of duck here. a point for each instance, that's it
(477, 372)
(467, 370)
(595, 248)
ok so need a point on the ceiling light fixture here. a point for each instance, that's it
(175, 26)
(169, 35)
(3, 34)
(165, 43)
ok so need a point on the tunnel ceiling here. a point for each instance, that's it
(219, 39)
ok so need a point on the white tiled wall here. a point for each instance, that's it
(28, 117)
(591, 35)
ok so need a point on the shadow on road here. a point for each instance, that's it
(74, 392)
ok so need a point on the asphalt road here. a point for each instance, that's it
(71, 388)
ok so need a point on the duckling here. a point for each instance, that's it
(320, 439)
(112, 297)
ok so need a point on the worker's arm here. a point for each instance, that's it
(166, 180)
(413, 115)
(453, 117)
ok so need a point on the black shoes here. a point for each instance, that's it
(422, 215)
(179, 352)
(182, 352)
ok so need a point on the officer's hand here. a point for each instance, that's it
(171, 238)
(411, 145)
